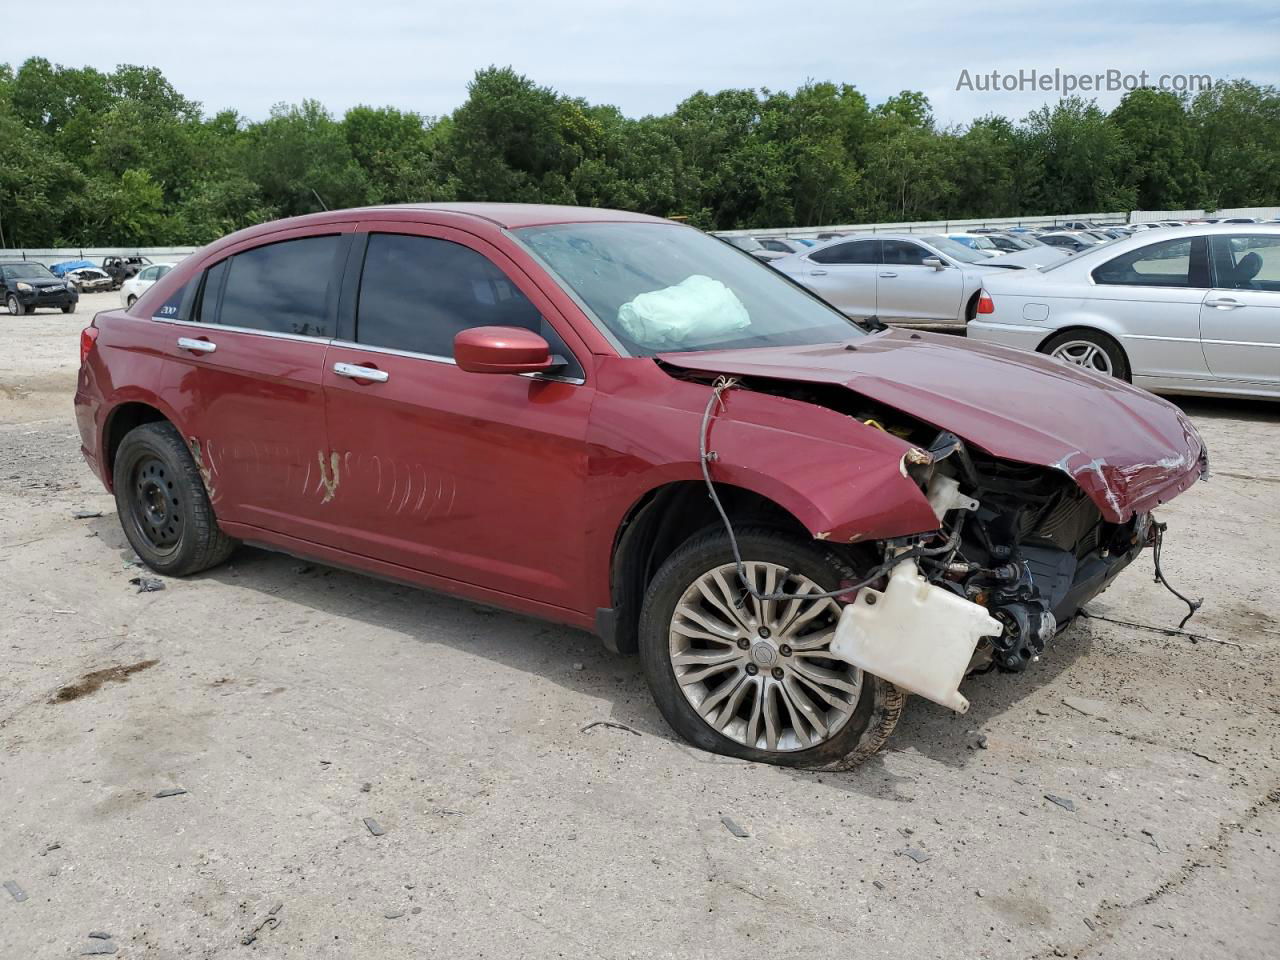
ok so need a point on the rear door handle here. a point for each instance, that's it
(817, 273)
(196, 346)
(354, 371)
(1223, 303)
(888, 274)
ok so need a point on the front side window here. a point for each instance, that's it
(1246, 263)
(281, 287)
(852, 252)
(902, 253)
(1163, 264)
(417, 293)
(657, 287)
(149, 274)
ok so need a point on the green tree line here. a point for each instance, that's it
(94, 158)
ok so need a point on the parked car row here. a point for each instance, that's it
(25, 286)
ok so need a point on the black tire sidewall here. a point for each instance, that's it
(690, 561)
(15, 306)
(162, 442)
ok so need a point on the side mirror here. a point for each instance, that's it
(501, 350)
(934, 262)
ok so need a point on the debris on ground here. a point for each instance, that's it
(1152, 837)
(15, 891)
(610, 723)
(394, 914)
(366, 787)
(915, 853)
(147, 584)
(91, 681)
(977, 740)
(906, 831)
(170, 792)
(374, 826)
(1090, 708)
(877, 884)
(416, 910)
(50, 848)
(1090, 924)
(579, 667)
(99, 935)
(1063, 802)
(96, 947)
(86, 514)
(733, 828)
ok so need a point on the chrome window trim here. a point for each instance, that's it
(449, 361)
(199, 325)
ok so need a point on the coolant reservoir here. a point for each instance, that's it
(917, 636)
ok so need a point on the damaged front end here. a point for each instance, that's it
(1026, 549)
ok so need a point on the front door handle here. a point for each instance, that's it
(817, 273)
(354, 371)
(1223, 303)
(888, 274)
(196, 346)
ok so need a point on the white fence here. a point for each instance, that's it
(52, 255)
(1260, 213)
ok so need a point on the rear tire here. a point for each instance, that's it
(1091, 349)
(163, 505)
(773, 675)
(129, 302)
(68, 308)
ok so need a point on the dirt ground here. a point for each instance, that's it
(292, 701)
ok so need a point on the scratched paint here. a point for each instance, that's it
(401, 489)
(332, 477)
(206, 469)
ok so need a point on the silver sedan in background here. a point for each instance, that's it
(1177, 310)
(899, 276)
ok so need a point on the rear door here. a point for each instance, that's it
(908, 289)
(476, 478)
(248, 346)
(1153, 294)
(1240, 318)
(844, 274)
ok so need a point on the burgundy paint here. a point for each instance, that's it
(511, 490)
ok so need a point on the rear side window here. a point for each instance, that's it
(417, 293)
(280, 288)
(857, 251)
(1168, 263)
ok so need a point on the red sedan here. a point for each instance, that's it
(620, 423)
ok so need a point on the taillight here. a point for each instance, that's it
(87, 337)
(984, 303)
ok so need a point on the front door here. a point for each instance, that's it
(908, 289)
(247, 350)
(1240, 319)
(477, 478)
(1154, 294)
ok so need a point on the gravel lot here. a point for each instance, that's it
(292, 701)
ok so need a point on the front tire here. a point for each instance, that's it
(163, 505)
(16, 307)
(748, 678)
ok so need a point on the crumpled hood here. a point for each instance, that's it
(1126, 448)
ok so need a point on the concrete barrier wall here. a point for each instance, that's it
(52, 255)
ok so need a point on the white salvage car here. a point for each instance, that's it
(1180, 310)
(141, 281)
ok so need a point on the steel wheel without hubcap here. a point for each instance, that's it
(760, 672)
(1084, 353)
(156, 508)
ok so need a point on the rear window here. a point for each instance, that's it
(280, 288)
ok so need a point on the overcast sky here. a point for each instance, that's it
(645, 55)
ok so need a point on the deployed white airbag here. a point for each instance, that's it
(917, 636)
(695, 307)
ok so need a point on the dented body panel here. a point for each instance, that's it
(1127, 449)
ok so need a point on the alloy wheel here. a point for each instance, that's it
(1085, 353)
(760, 672)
